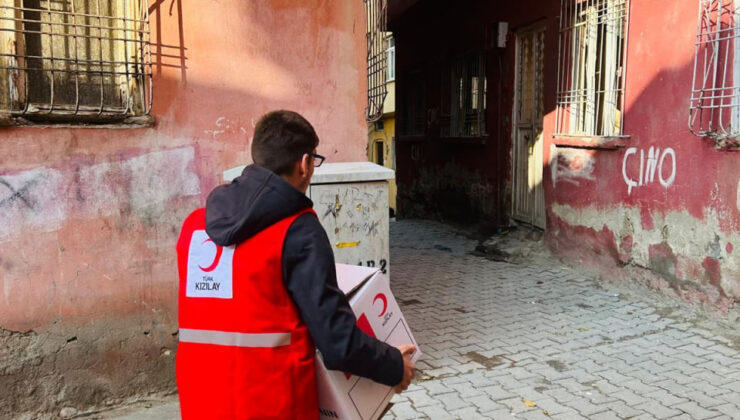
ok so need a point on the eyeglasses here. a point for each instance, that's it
(317, 159)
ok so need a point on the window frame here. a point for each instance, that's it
(597, 127)
(391, 60)
(121, 62)
(412, 113)
(376, 15)
(458, 91)
(712, 96)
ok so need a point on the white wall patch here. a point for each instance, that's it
(210, 268)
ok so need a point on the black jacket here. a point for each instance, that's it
(258, 199)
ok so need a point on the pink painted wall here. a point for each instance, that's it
(89, 217)
(680, 234)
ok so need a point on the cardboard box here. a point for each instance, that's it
(343, 396)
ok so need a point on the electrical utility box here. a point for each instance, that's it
(351, 201)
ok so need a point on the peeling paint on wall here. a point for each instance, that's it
(229, 126)
(43, 198)
(571, 165)
(676, 233)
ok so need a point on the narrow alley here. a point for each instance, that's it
(540, 340)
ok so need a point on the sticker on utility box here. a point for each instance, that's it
(210, 268)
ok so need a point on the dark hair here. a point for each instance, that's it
(281, 138)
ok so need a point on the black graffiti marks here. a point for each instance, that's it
(17, 195)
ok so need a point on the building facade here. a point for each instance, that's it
(610, 124)
(381, 146)
(169, 92)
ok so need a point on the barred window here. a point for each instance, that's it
(592, 44)
(413, 104)
(714, 110)
(463, 102)
(377, 11)
(75, 60)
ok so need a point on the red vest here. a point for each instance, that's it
(244, 351)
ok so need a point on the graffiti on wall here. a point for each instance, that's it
(571, 165)
(16, 194)
(44, 197)
(653, 165)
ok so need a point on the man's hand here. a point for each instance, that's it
(408, 367)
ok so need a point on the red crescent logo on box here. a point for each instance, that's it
(381, 297)
(216, 259)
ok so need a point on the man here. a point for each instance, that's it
(258, 289)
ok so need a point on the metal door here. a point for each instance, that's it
(528, 200)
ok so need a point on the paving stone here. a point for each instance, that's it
(605, 415)
(666, 398)
(435, 387)
(484, 403)
(436, 412)
(623, 410)
(657, 409)
(629, 397)
(706, 401)
(497, 393)
(697, 412)
(452, 401)
(468, 413)
(571, 415)
(534, 415)
(729, 409)
(421, 399)
(501, 414)
(584, 407)
(466, 389)
(404, 410)
(517, 405)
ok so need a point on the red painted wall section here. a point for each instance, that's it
(90, 216)
(669, 201)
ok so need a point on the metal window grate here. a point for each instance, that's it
(376, 58)
(593, 39)
(75, 60)
(714, 110)
(464, 91)
(413, 111)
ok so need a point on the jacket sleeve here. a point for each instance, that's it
(310, 278)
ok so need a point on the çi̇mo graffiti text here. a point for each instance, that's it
(651, 165)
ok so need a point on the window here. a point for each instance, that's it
(376, 58)
(714, 110)
(590, 98)
(391, 53)
(464, 102)
(74, 60)
(413, 104)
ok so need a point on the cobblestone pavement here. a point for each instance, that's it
(539, 341)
